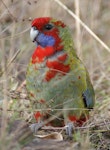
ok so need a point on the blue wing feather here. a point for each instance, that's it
(89, 94)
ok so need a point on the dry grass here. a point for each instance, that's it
(91, 36)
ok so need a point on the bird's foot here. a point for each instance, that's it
(69, 129)
(36, 126)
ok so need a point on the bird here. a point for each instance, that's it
(57, 82)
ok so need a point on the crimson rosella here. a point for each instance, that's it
(57, 81)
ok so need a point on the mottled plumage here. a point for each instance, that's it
(56, 77)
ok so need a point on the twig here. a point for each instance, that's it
(78, 29)
(15, 35)
(83, 25)
(15, 19)
(12, 59)
(21, 86)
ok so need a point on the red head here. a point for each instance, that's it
(45, 31)
(39, 23)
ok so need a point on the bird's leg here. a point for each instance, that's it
(68, 124)
(69, 129)
(36, 126)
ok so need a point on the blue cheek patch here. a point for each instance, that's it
(45, 40)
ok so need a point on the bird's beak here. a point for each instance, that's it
(33, 34)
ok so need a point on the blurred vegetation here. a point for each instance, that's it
(15, 51)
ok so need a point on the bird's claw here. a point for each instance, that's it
(69, 129)
(35, 127)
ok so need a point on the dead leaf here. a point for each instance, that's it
(53, 136)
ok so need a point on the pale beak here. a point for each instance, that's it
(33, 33)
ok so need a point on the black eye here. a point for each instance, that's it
(48, 26)
(34, 28)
